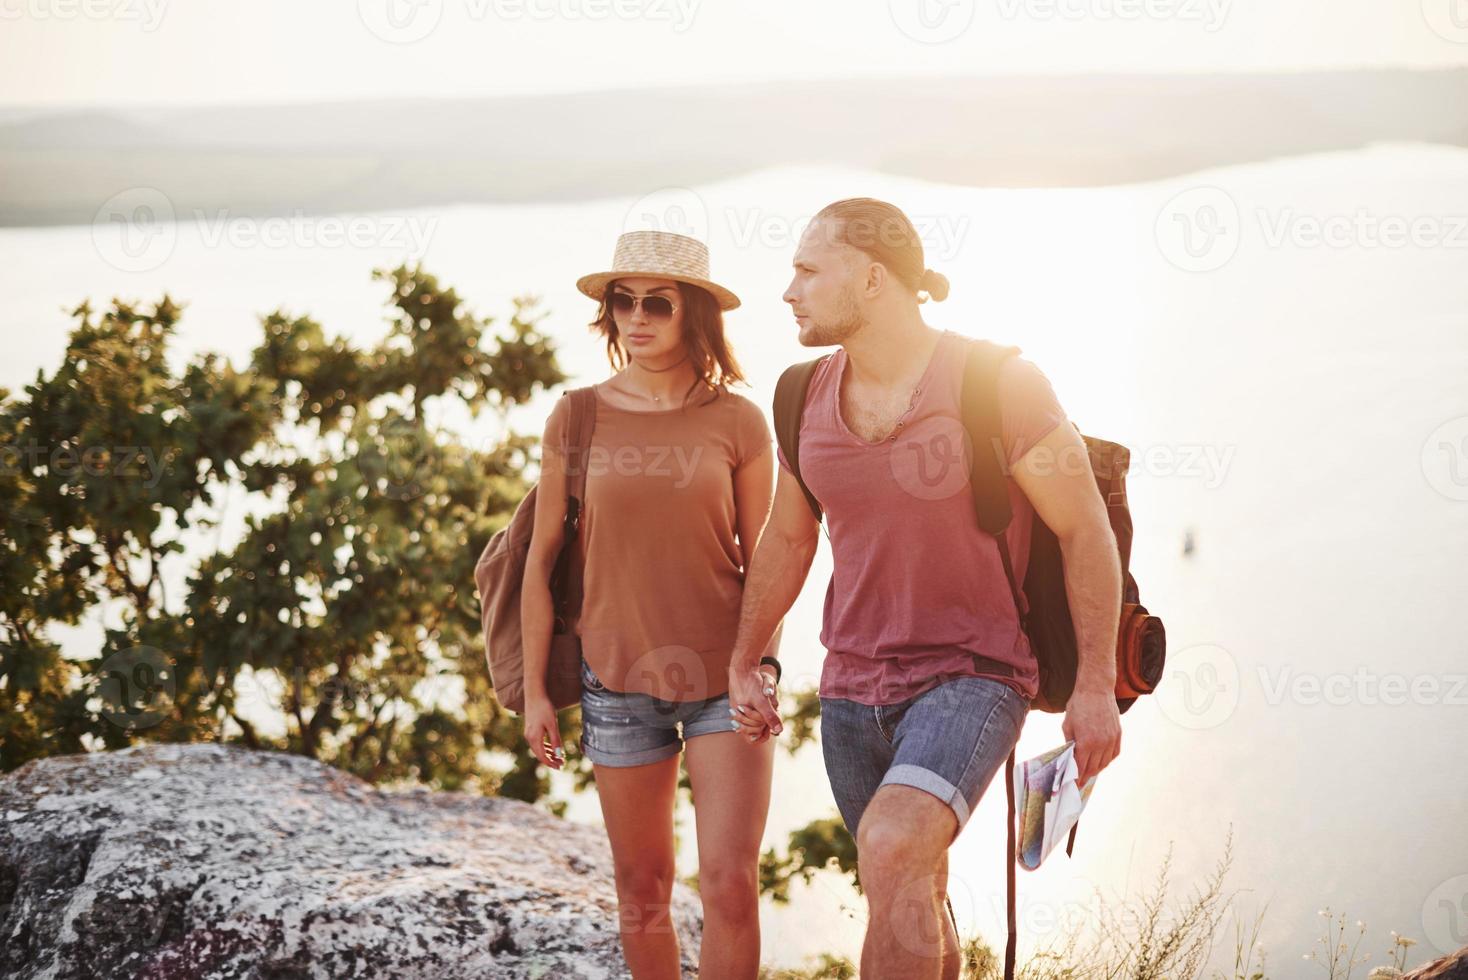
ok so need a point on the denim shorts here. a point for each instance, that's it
(628, 729)
(948, 741)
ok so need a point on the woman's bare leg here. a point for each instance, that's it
(731, 799)
(637, 808)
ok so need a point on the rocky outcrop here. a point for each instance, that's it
(205, 861)
(1454, 966)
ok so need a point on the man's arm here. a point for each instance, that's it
(1056, 477)
(776, 573)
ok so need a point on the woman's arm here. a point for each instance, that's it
(537, 613)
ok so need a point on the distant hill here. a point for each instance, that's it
(1012, 131)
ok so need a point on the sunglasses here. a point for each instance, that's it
(658, 309)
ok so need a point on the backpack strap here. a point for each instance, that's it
(988, 470)
(577, 442)
(575, 449)
(1012, 943)
(790, 392)
(988, 464)
(980, 411)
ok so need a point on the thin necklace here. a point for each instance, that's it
(643, 367)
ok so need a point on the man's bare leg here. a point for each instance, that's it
(902, 845)
(952, 964)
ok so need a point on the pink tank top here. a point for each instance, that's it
(917, 592)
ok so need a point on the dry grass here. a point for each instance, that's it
(1153, 937)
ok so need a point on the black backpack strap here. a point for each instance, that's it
(790, 392)
(575, 450)
(988, 465)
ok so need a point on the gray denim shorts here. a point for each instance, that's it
(627, 729)
(948, 741)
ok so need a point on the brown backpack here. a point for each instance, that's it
(500, 572)
(1141, 642)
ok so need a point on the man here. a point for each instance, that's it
(928, 674)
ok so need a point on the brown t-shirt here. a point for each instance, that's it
(663, 568)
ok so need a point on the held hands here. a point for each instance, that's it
(543, 732)
(1094, 724)
(753, 702)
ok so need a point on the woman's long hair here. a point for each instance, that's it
(714, 366)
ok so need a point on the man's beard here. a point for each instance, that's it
(845, 321)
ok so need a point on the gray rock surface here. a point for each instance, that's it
(206, 861)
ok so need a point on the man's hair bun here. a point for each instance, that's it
(935, 284)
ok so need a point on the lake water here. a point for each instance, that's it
(1283, 346)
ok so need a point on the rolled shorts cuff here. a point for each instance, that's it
(930, 782)
(641, 757)
(711, 722)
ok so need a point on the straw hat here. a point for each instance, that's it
(659, 255)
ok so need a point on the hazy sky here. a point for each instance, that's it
(138, 52)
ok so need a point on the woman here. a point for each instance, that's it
(679, 485)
